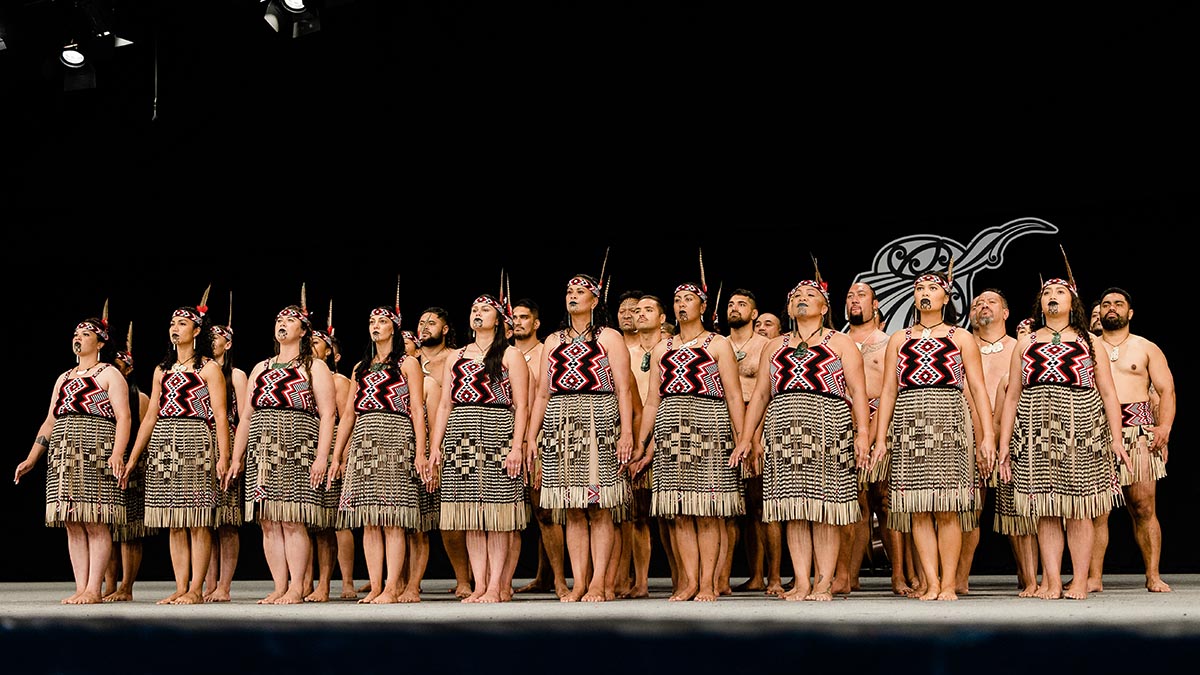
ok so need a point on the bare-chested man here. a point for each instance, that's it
(634, 529)
(551, 573)
(762, 542)
(767, 325)
(989, 316)
(1138, 365)
(437, 340)
(650, 317)
(862, 314)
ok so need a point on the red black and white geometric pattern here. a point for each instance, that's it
(579, 366)
(184, 394)
(1068, 363)
(384, 390)
(929, 362)
(84, 396)
(817, 369)
(283, 388)
(691, 370)
(471, 385)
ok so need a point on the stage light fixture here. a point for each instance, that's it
(292, 17)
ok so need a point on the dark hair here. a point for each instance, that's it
(226, 369)
(656, 300)
(704, 319)
(203, 343)
(393, 358)
(629, 295)
(493, 361)
(600, 319)
(306, 350)
(529, 304)
(451, 339)
(747, 293)
(949, 313)
(1114, 289)
(108, 352)
(1080, 320)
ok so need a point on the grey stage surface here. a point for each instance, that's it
(991, 629)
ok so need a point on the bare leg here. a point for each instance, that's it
(1025, 552)
(542, 580)
(1050, 543)
(949, 545)
(852, 550)
(298, 551)
(345, 559)
(773, 553)
(373, 554)
(728, 541)
(826, 541)
(578, 548)
(601, 539)
(230, 543)
(455, 543)
(273, 551)
(1146, 530)
(512, 557)
(708, 539)
(926, 541)
(181, 562)
(800, 546)
(110, 575)
(200, 545)
(640, 541)
(666, 536)
(612, 567)
(477, 554)
(418, 560)
(99, 550)
(966, 556)
(687, 549)
(393, 545)
(753, 532)
(326, 544)
(131, 562)
(497, 554)
(623, 578)
(77, 548)
(1080, 533)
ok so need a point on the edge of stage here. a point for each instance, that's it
(1125, 628)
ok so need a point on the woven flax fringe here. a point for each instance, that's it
(179, 516)
(1147, 465)
(383, 516)
(483, 517)
(814, 510)
(700, 504)
(286, 512)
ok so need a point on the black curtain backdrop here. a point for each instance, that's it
(445, 141)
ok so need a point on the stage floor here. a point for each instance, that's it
(983, 631)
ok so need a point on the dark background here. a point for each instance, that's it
(445, 141)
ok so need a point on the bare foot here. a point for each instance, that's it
(474, 597)
(637, 592)
(797, 593)
(964, 589)
(685, 593)
(292, 597)
(348, 592)
(492, 595)
(461, 591)
(705, 596)
(1076, 591)
(409, 596)
(623, 587)
(901, 587)
(120, 595)
(365, 588)
(820, 595)
(385, 598)
(369, 597)
(727, 590)
(170, 599)
(840, 586)
(70, 599)
(561, 589)
(948, 594)
(610, 594)
(1157, 585)
(753, 584)
(189, 598)
(597, 595)
(1049, 592)
(85, 598)
(318, 595)
(931, 593)
(775, 589)
(270, 599)
(1029, 591)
